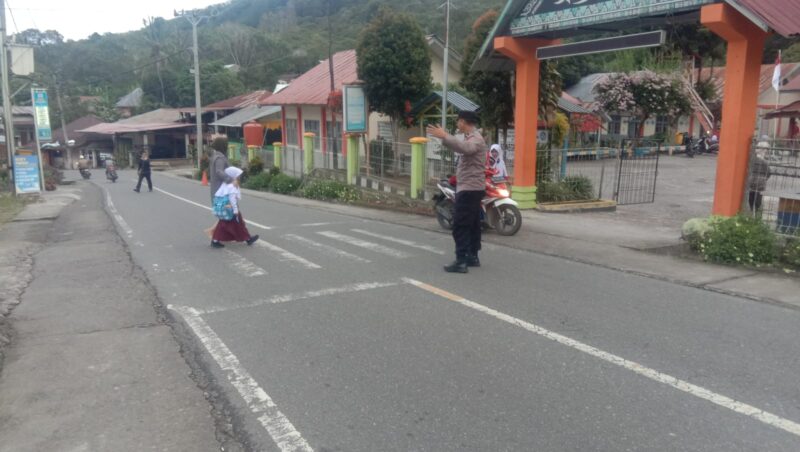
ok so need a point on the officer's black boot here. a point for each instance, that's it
(473, 261)
(458, 266)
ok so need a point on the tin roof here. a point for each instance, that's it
(458, 101)
(241, 101)
(245, 115)
(780, 15)
(313, 87)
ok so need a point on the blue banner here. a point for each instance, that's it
(26, 173)
(41, 114)
(355, 109)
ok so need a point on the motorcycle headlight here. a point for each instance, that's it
(503, 192)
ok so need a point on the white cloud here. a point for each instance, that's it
(78, 19)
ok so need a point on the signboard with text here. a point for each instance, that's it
(355, 109)
(41, 114)
(549, 15)
(26, 174)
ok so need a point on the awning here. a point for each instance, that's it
(114, 128)
(245, 115)
(789, 111)
(456, 100)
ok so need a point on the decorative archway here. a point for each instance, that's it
(526, 25)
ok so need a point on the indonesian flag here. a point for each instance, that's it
(776, 76)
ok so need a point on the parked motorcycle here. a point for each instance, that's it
(498, 210)
(85, 173)
(111, 170)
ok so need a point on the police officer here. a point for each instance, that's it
(470, 189)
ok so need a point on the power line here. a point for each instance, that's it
(11, 11)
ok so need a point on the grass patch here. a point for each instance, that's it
(10, 206)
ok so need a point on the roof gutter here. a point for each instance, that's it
(751, 16)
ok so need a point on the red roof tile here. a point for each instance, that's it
(765, 80)
(313, 87)
(781, 15)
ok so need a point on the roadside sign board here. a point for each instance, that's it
(41, 114)
(26, 174)
(355, 109)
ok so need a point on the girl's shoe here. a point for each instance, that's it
(216, 244)
(252, 239)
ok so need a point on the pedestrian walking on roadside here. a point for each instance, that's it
(759, 173)
(470, 189)
(231, 226)
(144, 172)
(217, 162)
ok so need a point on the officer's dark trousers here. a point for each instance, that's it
(149, 182)
(467, 223)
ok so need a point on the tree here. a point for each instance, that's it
(393, 62)
(38, 38)
(643, 94)
(491, 89)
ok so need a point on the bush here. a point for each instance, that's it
(738, 240)
(791, 253)
(329, 189)
(283, 184)
(256, 166)
(258, 182)
(695, 230)
(572, 188)
(381, 155)
(52, 177)
(274, 171)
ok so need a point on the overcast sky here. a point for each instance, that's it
(77, 19)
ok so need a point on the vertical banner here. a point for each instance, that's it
(41, 113)
(355, 109)
(26, 174)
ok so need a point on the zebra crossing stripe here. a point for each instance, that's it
(350, 240)
(287, 256)
(407, 243)
(325, 248)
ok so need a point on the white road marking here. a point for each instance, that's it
(407, 243)
(681, 385)
(325, 248)
(286, 255)
(308, 225)
(252, 223)
(121, 221)
(283, 433)
(364, 244)
(243, 266)
(350, 288)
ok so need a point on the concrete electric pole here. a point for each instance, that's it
(8, 115)
(446, 62)
(195, 18)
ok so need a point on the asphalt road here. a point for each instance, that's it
(343, 333)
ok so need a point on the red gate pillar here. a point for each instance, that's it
(742, 74)
(526, 113)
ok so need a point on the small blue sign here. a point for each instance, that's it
(41, 114)
(355, 109)
(26, 173)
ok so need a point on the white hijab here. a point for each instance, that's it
(499, 163)
(229, 188)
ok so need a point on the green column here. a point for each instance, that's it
(352, 158)
(277, 155)
(308, 152)
(417, 166)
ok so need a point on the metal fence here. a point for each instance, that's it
(773, 185)
(576, 174)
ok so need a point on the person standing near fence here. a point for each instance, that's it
(144, 172)
(470, 189)
(759, 173)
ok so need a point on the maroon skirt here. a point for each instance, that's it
(231, 231)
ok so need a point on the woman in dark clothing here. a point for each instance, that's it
(144, 172)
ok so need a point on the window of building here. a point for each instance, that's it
(633, 127)
(312, 125)
(662, 125)
(615, 125)
(291, 131)
(385, 130)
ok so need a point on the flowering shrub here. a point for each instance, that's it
(329, 189)
(644, 94)
(738, 240)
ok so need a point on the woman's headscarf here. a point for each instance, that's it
(497, 163)
(226, 189)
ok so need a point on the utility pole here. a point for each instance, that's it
(8, 115)
(446, 62)
(195, 18)
(63, 125)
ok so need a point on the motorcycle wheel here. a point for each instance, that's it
(446, 222)
(509, 220)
